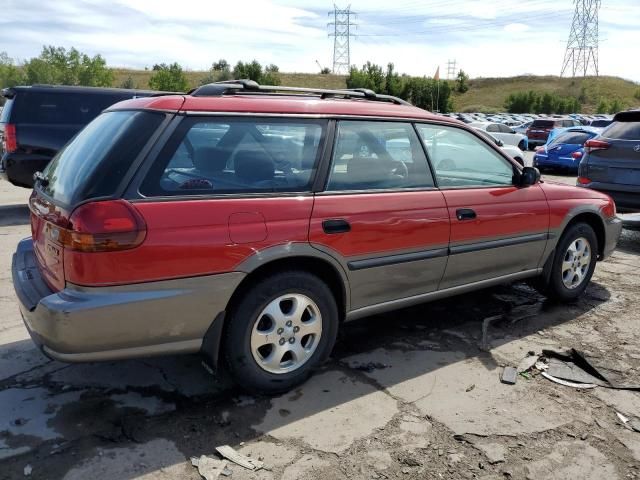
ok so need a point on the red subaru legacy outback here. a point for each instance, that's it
(248, 222)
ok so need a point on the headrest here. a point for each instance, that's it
(253, 166)
(211, 159)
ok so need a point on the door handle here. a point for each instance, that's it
(338, 225)
(465, 214)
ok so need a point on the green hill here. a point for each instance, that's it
(484, 94)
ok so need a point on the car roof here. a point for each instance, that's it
(281, 104)
(12, 91)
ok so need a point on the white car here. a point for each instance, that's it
(513, 152)
(505, 133)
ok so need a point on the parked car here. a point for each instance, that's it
(504, 133)
(538, 132)
(601, 123)
(37, 121)
(513, 152)
(565, 151)
(611, 163)
(248, 222)
(522, 128)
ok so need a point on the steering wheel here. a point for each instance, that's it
(400, 169)
(446, 164)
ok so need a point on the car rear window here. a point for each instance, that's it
(571, 138)
(623, 131)
(61, 107)
(93, 164)
(542, 123)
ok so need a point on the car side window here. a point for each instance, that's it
(460, 159)
(505, 129)
(377, 155)
(234, 155)
(494, 128)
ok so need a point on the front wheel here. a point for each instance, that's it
(283, 328)
(522, 146)
(573, 263)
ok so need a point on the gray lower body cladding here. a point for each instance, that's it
(104, 323)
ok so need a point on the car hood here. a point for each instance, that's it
(555, 190)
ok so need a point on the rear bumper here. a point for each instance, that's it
(79, 324)
(542, 161)
(18, 168)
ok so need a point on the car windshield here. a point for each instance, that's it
(95, 161)
(542, 123)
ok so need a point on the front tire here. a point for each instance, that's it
(573, 263)
(521, 145)
(280, 331)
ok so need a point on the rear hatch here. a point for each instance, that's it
(614, 156)
(568, 143)
(540, 129)
(89, 169)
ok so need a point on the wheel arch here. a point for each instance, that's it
(595, 221)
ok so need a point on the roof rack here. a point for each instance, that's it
(230, 87)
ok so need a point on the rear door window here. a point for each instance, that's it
(6, 111)
(94, 163)
(542, 124)
(623, 131)
(237, 155)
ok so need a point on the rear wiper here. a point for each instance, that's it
(41, 179)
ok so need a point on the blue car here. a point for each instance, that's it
(564, 151)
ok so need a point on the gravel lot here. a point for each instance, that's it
(409, 394)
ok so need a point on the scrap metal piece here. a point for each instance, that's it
(247, 462)
(567, 384)
(209, 468)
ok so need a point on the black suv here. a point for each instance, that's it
(38, 121)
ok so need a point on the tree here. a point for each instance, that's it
(461, 82)
(128, 83)
(392, 82)
(616, 106)
(325, 71)
(221, 65)
(56, 65)
(254, 71)
(169, 78)
(603, 106)
(10, 75)
(271, 75)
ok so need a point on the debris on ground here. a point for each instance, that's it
(230, 454)
(27, 470)
(566, 383)
(484, 346)
(371, 366)
(470, 387)
(509, 375)
(209, 468)
(527, 363)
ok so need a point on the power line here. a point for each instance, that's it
(581, 55)
(451, 69)
(341, 35)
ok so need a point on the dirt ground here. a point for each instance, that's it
(410, 394)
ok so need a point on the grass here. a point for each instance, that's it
(485, 94)
(493, 92)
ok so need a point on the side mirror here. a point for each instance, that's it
(529, 176)
(500, 143)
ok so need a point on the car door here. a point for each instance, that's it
(380, 214)
(497, 228)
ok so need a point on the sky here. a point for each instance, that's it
(487, 38)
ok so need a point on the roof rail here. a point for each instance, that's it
(230, 87)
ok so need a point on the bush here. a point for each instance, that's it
(535, 102)
(169, 78)
(461, 82)
(10, 74)
(253, 71)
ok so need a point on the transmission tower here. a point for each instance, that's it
(451, 69)
(342, 25)
(581, 56)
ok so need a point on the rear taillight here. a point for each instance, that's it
(594, 145)
(576, 155)
(583, 181)
(9, 138)
(101, 227)
(539, 149)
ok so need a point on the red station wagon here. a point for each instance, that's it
(248, 222)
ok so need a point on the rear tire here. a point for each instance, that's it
(521, 145)
(280, 331)
(573, 264)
